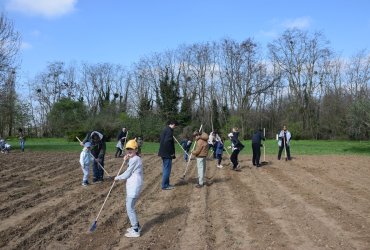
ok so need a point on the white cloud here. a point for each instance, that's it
(300, 23)
(47, 8)
(25, 46)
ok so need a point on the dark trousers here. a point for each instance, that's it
(287, 151)
(256, 147)
(234, 158)
(118, 152)
(219, 158)
(98, 172)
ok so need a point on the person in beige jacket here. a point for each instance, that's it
(200, 153)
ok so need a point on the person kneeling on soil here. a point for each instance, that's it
(200, 152)
(134, 183)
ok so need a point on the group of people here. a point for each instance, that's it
(6, 147)
(94, 150)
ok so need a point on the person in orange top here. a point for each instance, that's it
(200, 153)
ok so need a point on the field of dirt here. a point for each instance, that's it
(310, 202)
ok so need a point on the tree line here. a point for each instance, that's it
(298, 80)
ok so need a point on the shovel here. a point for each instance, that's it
(264, 162)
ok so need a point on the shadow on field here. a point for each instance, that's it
(163, 217)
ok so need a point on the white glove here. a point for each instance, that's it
(116, 178)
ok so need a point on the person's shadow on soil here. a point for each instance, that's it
(160, 218)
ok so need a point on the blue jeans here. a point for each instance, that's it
(167, 165)
(131, 213)
(21, 143)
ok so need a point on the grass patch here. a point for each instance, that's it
(298, 147)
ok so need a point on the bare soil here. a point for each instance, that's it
(310, 202)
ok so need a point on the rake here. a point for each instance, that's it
(93, 226)
(286, 158)
(96, 161)
(181, 146)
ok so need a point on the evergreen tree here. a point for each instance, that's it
(186, 110)
(168, 97)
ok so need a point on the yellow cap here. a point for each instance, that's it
(132, 144)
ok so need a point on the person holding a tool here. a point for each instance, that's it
(186, 145)
(98, 148)
(284, 143)
(200, 152)
(256, 147)
(219, 149)
(121, 139)
(236, 146)
(167, 153)
(85, 162)
(134, 183)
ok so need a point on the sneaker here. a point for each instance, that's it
(220, 166)
(236, 169)
(132, 234)
(198, 186)
(131, 229)
(168, 188)
(84, 184)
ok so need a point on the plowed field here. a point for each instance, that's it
(311, 202)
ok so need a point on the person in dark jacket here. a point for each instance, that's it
(98, 148)
(167, 153)
(186, 145)
(256, 147)
(236, 146)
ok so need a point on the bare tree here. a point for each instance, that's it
(9, 47)
(301, 58)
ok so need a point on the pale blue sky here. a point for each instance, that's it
(122, 31)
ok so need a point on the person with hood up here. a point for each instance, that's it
(200, 153)
(85, 162)
(98, 148)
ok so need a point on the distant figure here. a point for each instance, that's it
(284, 141)
(186, 145)
(140, 142)
(121, 139)
(4, 146)
(256, 147)
(21, 139)
(219, 149)
(236, 146)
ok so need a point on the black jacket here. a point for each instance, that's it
(257, 137)
(98, 148)
(167, 144)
